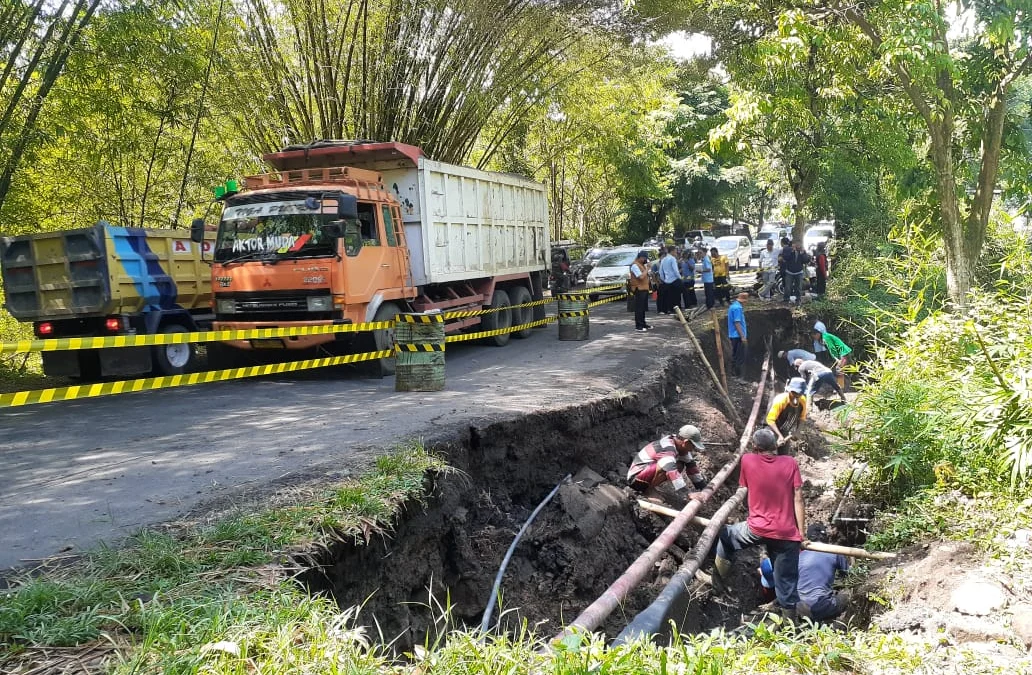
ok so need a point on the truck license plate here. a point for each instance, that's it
(270, 343)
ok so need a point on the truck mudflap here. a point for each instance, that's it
(89, 364)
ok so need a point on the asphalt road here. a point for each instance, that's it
(81, 472)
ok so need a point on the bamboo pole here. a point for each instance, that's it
(731, 410)
(720, 347)
(817, 546)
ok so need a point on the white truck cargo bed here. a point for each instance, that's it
(463, 223)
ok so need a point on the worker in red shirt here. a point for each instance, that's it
(777, 519)
(658, 462)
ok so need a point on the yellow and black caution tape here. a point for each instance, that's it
(565, 315)
(605, 300)
(421, 318)
(598, 289)
(60, 344)
(420, 347)
(462, 337)
(150, 383)
(466, 313)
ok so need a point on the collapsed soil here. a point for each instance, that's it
(448, 551)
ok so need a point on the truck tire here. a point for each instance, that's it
(174, 359)
(519, 296)
(499, 320)
(384, 339)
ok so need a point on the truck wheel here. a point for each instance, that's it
(384, 339)
(520, 295)
(499, 320)
(174, 359)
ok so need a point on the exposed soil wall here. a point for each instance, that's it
(449, 549)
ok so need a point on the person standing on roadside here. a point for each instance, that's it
(688, 279)
(639, 282)
(768, 270)
(669, 282)
(721, 284)
(821, 264)
(707, 279)
(795, 268)
(777, 519)
(738, 334)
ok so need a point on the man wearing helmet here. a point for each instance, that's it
(787, 410)
(777, 519)
(658, 462)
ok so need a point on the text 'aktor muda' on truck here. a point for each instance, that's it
(353, 232)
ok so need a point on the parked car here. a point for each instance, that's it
(613, 268)
(692, 237)
(818, 234)
(736, 249)
(581, 268)
(775, 233)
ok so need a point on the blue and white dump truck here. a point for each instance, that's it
(106, 280)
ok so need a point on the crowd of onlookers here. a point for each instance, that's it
(675, 273)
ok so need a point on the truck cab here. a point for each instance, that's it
(349, 232)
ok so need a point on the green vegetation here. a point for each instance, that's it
(186, 587)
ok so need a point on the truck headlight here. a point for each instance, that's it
(225, 306)
(320, 303)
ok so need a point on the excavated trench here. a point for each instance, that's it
(446, 551)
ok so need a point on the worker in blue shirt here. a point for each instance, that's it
(736, 330)
(706, 264)
(669, 283)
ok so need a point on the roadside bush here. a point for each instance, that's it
(950, 403)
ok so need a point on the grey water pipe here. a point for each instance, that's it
(508, 554)
(668, 604)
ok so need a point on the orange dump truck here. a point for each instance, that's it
(352, 232)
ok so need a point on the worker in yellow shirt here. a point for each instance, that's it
(788, 409)
(721, 268)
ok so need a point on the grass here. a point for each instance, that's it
(175, 590)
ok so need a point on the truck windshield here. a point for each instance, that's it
(273, 230)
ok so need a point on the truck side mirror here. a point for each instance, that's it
(197, 230)
(347, 207)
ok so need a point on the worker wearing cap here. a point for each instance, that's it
(638, 279)
(658, 461)
(777, 519)
(817, 377)
(817, 571)
(787, 410)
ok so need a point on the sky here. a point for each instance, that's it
(684, 45)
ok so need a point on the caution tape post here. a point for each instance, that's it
(419, 345)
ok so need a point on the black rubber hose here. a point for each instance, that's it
(508, 555)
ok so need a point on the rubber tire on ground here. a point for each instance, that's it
(384, 339)
(498, 320)
(592, 297)
(174, 359)
(520, 295)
